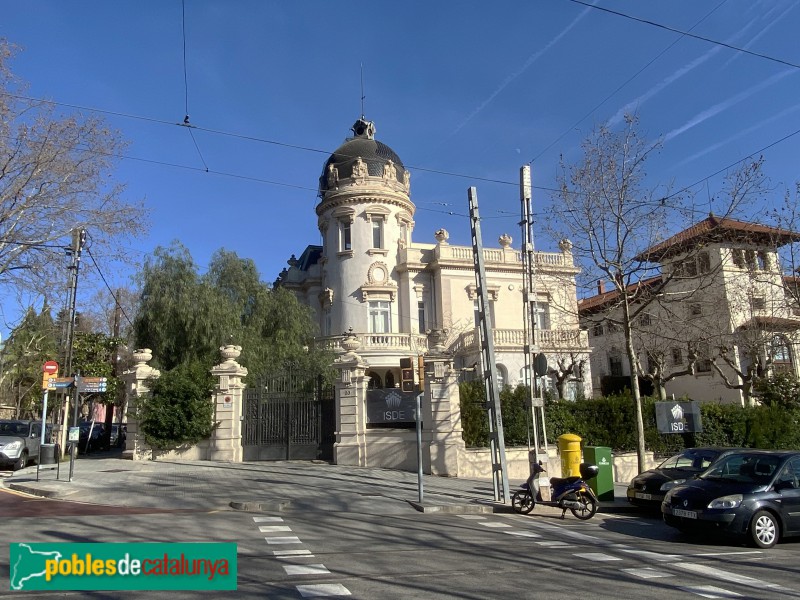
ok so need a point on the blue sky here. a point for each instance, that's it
(464, 92)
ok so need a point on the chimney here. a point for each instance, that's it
(601, 286)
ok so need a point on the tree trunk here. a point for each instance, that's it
(641, 450)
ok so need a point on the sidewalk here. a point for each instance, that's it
(263, 486)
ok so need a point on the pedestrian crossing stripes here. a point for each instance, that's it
(298, 570)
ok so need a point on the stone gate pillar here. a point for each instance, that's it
(135, 380)
(350, 447)
(441, 410)
(226, 438)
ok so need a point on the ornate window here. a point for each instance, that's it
(376, 215)
(344, 218)
(380, 316)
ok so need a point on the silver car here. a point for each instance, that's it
(19, 442)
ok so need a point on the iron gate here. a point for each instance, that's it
(288, 417)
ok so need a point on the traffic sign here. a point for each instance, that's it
(92, 384)
(59, 382)
(50, 367)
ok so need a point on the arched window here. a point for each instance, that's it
(781, 354)
(502, 376)
(375, 382)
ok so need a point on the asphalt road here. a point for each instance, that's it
(296, 554)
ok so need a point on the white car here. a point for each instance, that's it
(19, 442)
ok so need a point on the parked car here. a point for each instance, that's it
(119, 432)
(19, 442)
(753, 494)
(91, 437)
(649, 488)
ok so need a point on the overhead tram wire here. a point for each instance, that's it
(186, 122)
(113, 295)
(688, 34)
(625, 83)
(316, 150)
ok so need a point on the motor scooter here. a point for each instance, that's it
(571, 493)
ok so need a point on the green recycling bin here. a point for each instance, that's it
(603, 484)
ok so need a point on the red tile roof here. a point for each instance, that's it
(601, 301)
(718, 228)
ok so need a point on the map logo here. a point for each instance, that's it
(153, 566)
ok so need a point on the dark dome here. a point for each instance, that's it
(375, 155)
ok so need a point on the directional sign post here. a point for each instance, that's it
(49, 369)
(92, 385)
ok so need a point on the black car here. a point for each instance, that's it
(91, 437)
(649, 488)
(750, 493)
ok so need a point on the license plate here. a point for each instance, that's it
(642, 496)
(686, 514)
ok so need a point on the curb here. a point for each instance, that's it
(42, 493)
(268, 505)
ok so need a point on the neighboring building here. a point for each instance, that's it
(720, 307)
(368, 276)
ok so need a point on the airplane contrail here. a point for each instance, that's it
(531, 59)
(718, 108)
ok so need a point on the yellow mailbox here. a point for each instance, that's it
(569, 446)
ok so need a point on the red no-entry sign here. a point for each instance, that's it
(50, 367)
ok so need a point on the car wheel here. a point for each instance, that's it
(764, 529)
(22, 461)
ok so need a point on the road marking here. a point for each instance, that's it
(646, 573)
(471, 517)
(529, 534)
(495, 524)
(731, 577)
(597, 556)
(709, 591)
(290, 539)
(555, 544)
(268, 519)
(654, 556)
(279, 553)
(317, 569)
(323, 590)
(728, 553)
(269, 528)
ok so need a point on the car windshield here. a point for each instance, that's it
(744, 468)
(694, 460)
(12, 428)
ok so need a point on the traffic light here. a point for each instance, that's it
(421, 372)
(406, 375)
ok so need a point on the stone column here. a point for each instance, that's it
(135, 380)
(441, 410)
(226, 439)
(350, 447)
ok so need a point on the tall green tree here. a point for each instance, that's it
(33, 342)
(184, 317)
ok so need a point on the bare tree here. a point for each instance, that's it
(616, 224)
(54, 178)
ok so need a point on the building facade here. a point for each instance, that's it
(371, 279)
(720, 314)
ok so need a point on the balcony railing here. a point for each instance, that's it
(514, 339)
(413, 343)
(548, 340)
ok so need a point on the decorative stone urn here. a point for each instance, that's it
(441, 236)
(505, 240)
(436, 340)
(350, 343)
(142, 356)
(230, 353)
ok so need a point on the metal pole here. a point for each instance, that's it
(418, 419)
(78, 240)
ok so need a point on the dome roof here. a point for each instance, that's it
(373, 153)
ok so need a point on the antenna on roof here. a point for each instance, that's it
(362, 91)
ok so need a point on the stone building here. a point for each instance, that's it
(370, 277)
(719, 313)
